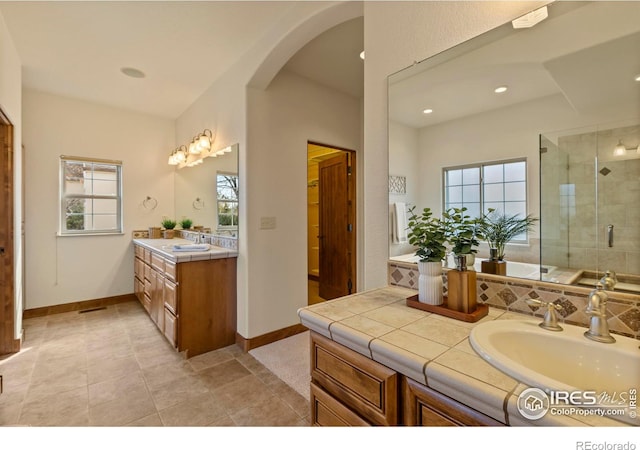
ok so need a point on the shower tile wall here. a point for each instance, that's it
(616, 201)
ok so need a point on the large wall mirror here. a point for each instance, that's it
(566, 119)
(207, 193)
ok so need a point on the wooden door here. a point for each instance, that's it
(336, 226)
(7, 342)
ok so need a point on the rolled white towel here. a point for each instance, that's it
(191, 248)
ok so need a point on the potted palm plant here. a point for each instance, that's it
(428, 234)
(462, 233)
(498, 229)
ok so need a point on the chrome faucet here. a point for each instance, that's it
(609, 280)
(550, 320)
(597, 310)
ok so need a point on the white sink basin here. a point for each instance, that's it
(559, 361)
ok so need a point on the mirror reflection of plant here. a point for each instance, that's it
(462, 231)
(498, 229)
(186, 223)
(428, 234)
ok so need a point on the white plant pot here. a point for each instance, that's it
(430, 283)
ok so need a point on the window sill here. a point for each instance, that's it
(119, 233)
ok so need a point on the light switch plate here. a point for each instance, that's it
(267, 223)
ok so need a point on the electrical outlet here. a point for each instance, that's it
(267, 223)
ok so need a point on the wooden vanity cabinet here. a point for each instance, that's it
(192, 303)
(349, 389)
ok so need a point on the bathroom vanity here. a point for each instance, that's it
(190, 296)
(376, 361)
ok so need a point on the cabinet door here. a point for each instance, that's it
(170, 296)
(425, 407)
(170, 327)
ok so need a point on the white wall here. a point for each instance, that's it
(396, 35)
(68, 269)
(11, 105)
(281, 119)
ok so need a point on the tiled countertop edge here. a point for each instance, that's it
(178, 257)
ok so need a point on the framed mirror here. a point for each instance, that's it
(207, 193)
(458, 120)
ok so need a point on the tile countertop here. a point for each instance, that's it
(431, 349)
(163, 246)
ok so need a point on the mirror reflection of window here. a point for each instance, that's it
(227, 195)
(500, 186)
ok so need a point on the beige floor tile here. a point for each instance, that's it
(200, 411)
(68, 408)
(113, 367)
(127, 385)
(242, 393)
(177, 391)
(270, 412)
(121, 410)
(222, 374)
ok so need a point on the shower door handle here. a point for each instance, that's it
(610, 235)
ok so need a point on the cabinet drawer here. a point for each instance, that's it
(138, 251)
(363, 385)
(170, 327)
(425, 407)
(138, 288)
(170, 270)
(146, 255)
(146, 302)
(326, 411)
(157, 262)
(146, 269)
(170, 296)
(148, 288)
(138, 268)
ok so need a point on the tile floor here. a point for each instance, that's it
(112, 367)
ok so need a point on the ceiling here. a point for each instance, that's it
(586, 52)
(77, 48)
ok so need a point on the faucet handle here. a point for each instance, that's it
(550, 320)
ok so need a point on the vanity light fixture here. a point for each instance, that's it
(191, 154)
(500, 89)
(362, 55)
(637, 78)
(427, 111)
(621, 149)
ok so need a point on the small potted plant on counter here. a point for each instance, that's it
(168, 225)
(462, 234)
(498, 229)
(186, 224)
(428, 234)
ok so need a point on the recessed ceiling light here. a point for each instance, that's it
(500, 89)
(133, 73)
(362, 55)
(427, 111)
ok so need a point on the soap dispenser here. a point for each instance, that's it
(461, 287)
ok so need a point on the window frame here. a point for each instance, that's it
(63, 196)
(480, 166)
(218, 201)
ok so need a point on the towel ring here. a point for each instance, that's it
(198, 203)
(150, 203)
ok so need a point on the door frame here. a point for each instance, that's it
(8, 343)
(353, 210)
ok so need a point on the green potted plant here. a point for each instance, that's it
(428, 234)
(168, 225)
(462, 233)
(186, 224)
(498, 229)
